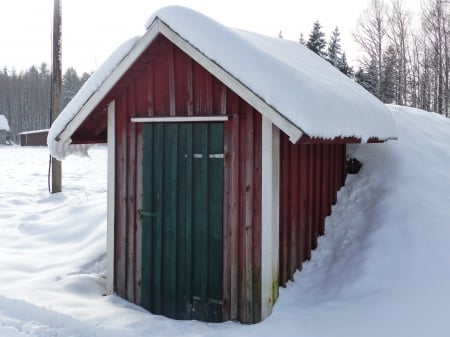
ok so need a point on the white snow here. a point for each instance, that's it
(4, 123)
(33, 132)
(305, 89)
(382, 269)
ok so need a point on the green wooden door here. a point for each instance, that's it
(182, 220)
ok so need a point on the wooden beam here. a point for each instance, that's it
(110, 199)
(180, 119)
(269, 216)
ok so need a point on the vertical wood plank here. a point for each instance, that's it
(234, 209)
(303, 181)
(293, 220)
(172, 92)
(256, 217)
(333, 183)
(324, 188)
(284, 208)
(110, 261)
(148, 205)
(190, 87)
(312, 196)
(150, 91)
(121, 201)
(131, 193)
(248, 163)
(157, 223)
(227, 232)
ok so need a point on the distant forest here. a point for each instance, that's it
(405, 60)
(25, 96)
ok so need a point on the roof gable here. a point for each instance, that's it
(298, 91)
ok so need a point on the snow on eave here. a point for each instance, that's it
(87, 98)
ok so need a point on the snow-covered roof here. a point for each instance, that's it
(4, 123)
(299, 91)
(33, 132)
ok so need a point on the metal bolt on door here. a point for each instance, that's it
(182, 220)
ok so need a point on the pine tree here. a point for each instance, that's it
(344, 67)
(316, 41)
(334, 49)
(388, 76)
(367, 78)
(301, 39)
(71, 85)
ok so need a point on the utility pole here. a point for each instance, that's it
(56, 87)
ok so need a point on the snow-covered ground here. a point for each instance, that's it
(383, 268)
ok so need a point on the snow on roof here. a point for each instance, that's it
(33, 132)
(62, 148)
(4, 123)
(302, 88)
(300, 85)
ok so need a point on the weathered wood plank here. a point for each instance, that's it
(294, 204)
(121, 199)
(141, 110)
(150, 90)
(131, 194)
(257, 223)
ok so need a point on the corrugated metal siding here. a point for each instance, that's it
(168, 82)
(311, 175)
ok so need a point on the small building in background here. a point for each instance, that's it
(33, 138)
(4, 131)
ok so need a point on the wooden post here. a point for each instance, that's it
(56, 87)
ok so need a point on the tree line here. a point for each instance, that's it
(406, 59)
(25, 96)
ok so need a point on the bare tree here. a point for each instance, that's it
(371, 37)
(435, 26)
(399, 37)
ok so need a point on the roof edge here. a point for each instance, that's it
(293, 131)
(111, 80)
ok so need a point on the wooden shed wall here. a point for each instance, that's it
(310, 176)
(34, 139)
(167, 82)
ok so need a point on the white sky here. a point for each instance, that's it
(92, 29)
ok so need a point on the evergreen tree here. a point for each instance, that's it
(71, 85)
(334, 49)
(316, 41)
(368, 78)
(388, 76)
(344, 67)
(301, 39)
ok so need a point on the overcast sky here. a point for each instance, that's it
(92, 29)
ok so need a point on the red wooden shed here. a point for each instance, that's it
(226, 151)
(33, 138)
